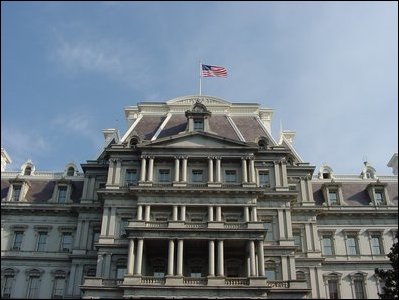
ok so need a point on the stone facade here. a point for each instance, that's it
(197, 199)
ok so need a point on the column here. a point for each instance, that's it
(284, 267)
(150, 169)
(171, 257)
(291, 261)
(261, 259)
(252, 170)
(218, 214)
(177, 167)
(211, 258)
(220, 259)
(184, 170)
(252, 257)
(104, 224)
(303, 189)
(246, 213)
(284, 173)
(139, 258)
(210, 169)
(244, 170)
(254, 214)
(99, 270)
(118, 172)
(76, 242)
(107, 265)
(316, 243)
(288, 224)
(139, 213)
(143, 167)
(147, 213)
(277, 174)
(110, 179)
(183, 213)
(112, 221)
(308, 236)
(179, 271)
(281, 224)
(210, 213)
(218, 162)
(85, 234)
(174, 216)
(130, 258)
(71, 281)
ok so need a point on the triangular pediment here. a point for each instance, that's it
(195, 140)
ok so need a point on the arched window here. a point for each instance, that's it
(300, 275)
(28, 170)
(7, 280)
(71, 171)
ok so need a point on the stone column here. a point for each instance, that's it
(211, 270)
(254, 214)
(76, 242)
(183, 213)
(284, 267)
(177, 167)
(261, 259)
(288, 223)
(118, 172)
(284, 177)
(150, 169)
(252, 257)
(174, 216)
(171, 255)
(316, 244)
(210, 169)
(130, 258)
(100, 261)
(210, 213)
(277, 174)
(218, 169)
(244, 170)
(220, 258)
(107, 265)
(179, 271)
(251, 170)
(218, 214)
(112, 221)
(143, 167)
(246, 213)
(104, 224)
(147, 213)
(85, 234)
(184, 170)
(110, 178)
(139, 213)
(139, 258)
(281, 229)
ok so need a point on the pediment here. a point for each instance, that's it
(195, 140)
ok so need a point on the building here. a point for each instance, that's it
(196, 199)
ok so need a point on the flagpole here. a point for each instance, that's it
(200, 92)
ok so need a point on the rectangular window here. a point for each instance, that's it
(16, 193)
(18, 235)
(120, 272)
(351, 245)
(66, 242)
(7, 287)
(327, 245)
(122, 231)
(297, 240)
(164, 175)
(333, 289)
(270, 274)
(62, 192)
(376, 244)
(198, 124)
(196, 176)
(332, 195)
(59, 286)
(33, 288)
(131, 176)
(96, 237)
(159, 271)
(230, 176)
(41, 241)
(379, 198)
(263, 178)
(196, 272)
(359, 291)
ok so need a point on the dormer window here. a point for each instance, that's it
(198, 124)
(332, 194)
(378, 194)
(28, 171)
(71, 171)
(198, 118)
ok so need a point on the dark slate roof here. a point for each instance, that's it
(393, 192)
(221, 126)
(249, 128)
(317, 194)
(147, 126)
(5, 185)
(177, 123)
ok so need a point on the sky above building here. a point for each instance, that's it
(329, 70)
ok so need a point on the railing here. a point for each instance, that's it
(277, 284)
(152, 280)
(234, 225)
(197, 185)
(109, 282)
(195, 280)
(231, 185)
(196, 225)
(236, 281)
(155, 224)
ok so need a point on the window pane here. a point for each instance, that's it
(15, 193)
(163, 175)
(327, 245)
(196, 176)
(333, 289)
(270, 274)
(269, 231)
(298, 240)
(230, 175)
(59, 285)
(351, 245)
(8, 281)
(359, 292)
(333, 197)
(41, 241)
(375, 244)
(198, 124)
(131, 176)
(62, 191)
(263, 178)
(379, 198)
(66, 242)
(33, 288)
(120, 272)
(18, 235)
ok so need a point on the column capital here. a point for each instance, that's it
(211, 157)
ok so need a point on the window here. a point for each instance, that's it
(327, 244)
(198, 124)
(333, 289)
(332, 197)
(351, 245)
(16, 192)
(131, 176)
(95, 238)
(230, 175)
(159, 268)
(41, 241)
(196, 271)
(16, 245)
(120, 268)
(297, 240)
(268, 225)
(164, 175)
(326, 175)
(91, 272)
(28, 171)
(122, 231)
(7, 284)
(66, 242)
(62, 192)
(71, 171)
(232, 219)
(270, 270)
(196, 175)
(375, 240)
(379, 197)
(33, 287)
(59, 285)
(263, 178)
(358, 285)
(196, 218)
(300, 275)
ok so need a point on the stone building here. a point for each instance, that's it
(196, 199)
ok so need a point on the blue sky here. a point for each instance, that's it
(328, 69)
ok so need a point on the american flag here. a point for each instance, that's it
(213, 71)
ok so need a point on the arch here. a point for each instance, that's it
(27, 168)
(70, 169)
(326, 172)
